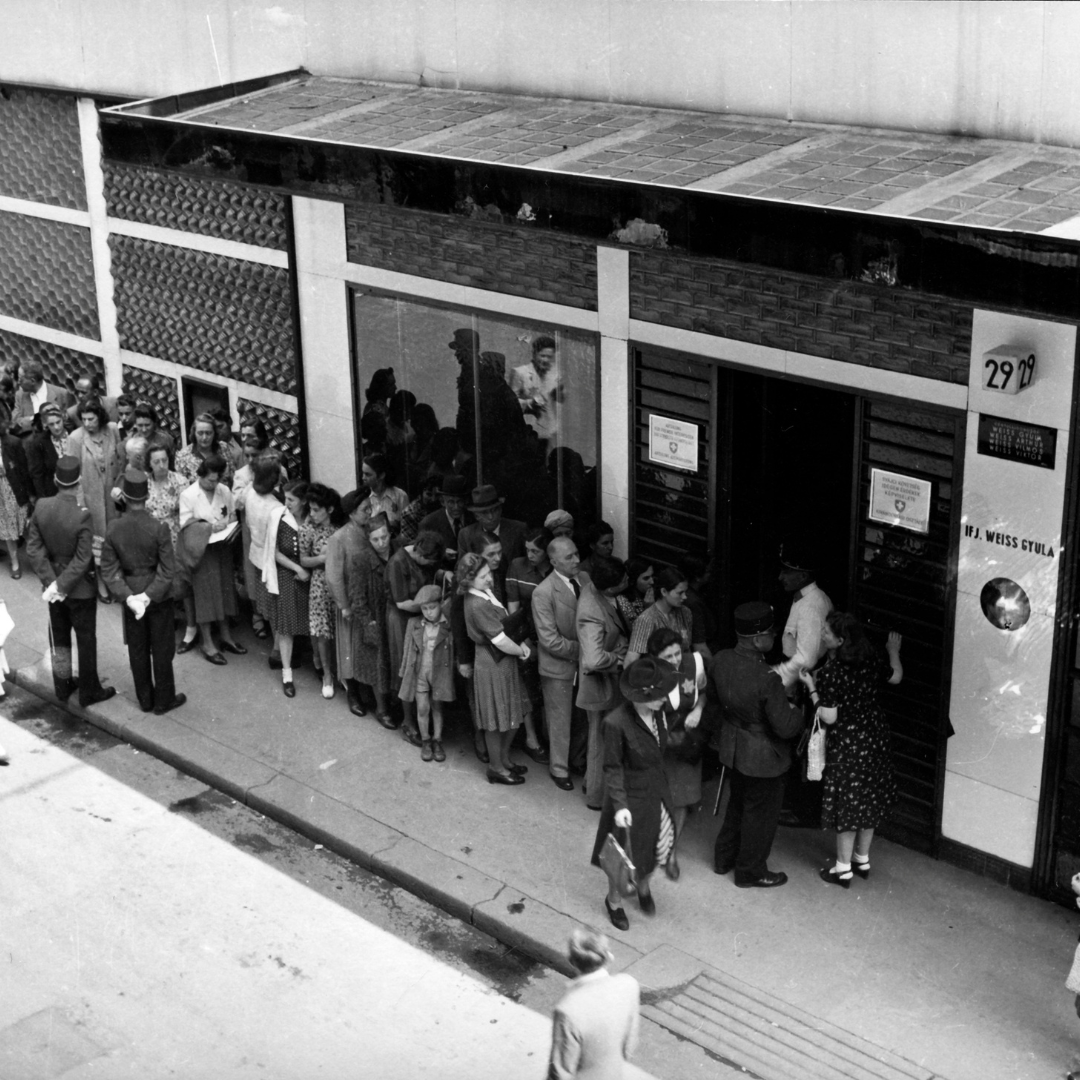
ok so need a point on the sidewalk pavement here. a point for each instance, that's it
(955, 975)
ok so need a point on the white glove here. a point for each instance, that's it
(623, 819)
(51, 594)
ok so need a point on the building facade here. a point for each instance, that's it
(761, 329)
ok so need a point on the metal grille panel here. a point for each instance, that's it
(210, 208)
(906, 581)
(208, 312)
(42, 158)
(47, 274)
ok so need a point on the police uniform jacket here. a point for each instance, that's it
(59, 546)
(137, 556)
(758, 722)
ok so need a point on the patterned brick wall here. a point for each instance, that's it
(40, 152)
(844, 320)
(160, 392)
(283, 429)
(210, 208)
(62, 366)
(485, 255)
(207, 312)
(47, 274)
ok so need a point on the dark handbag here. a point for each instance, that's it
(618, 865)
(687, 744)
(518, 626)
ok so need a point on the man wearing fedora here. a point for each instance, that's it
(486, 507)
(757, 726)
(58, 544)
(449, 519)
(137, 564)
(554, 611)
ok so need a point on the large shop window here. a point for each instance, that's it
(499, 400)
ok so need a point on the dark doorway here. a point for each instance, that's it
(201, 397)
(789, 475)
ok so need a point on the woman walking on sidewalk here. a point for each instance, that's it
(859, 784)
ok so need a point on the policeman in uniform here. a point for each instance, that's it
(755, 745)
(58, 544)
(137, 564)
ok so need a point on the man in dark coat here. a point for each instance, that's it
(755, 745)
(137, 564)
(449, 520)
(487, 508)
(58, 545)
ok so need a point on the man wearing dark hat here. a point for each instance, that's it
(758, 724)
(450, 519)
(486, 507)
(138, 566)
(58, 544)
(801, 642)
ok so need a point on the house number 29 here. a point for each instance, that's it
(1008, 370)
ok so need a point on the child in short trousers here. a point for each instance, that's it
(427, 669)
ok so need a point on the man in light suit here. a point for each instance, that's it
(554, 611)
(602, 636)
(595, 1025)
(34, 392)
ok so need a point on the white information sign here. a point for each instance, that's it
(901, 500)
(673, 443)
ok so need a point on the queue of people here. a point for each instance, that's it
(428, 603)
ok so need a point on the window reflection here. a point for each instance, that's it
(499, 401)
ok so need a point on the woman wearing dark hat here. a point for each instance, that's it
(636, 794)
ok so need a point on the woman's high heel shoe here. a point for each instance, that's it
(833, 878)
(862, 869)
(617, 916)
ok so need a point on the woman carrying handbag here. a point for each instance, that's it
(636, 794)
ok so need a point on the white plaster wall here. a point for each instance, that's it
(324, 330)
(977, 68)
(1001, 678)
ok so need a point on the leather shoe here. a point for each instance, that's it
(617, 916)
(519, 770)
(232, 647)
(103, 694)
(494, 777)
(830, 875)
(562, 782)
(289, 689)
(262, 632)
(387, 721)
(723, 868)
(16, 574)
(768, 880)
(187, 646)
(481, 753)
(538, 754)
(215, 658)
(180, 699)
(356, 708)
(647, 904)
(411, 736)
(671, 868)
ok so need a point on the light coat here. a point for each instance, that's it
(595, 1027)
(602, 642)
(554, 611)
(442, 661)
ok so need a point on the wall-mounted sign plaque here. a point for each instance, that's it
(1017, 441)
(673, 443)
(901, 500)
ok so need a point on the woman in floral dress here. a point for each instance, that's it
(859, 784)
(163, 502)
(323, 520)
(14, 494)
(203, 443)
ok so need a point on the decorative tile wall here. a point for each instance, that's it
(42, 157)
(210, 208)
(160, 392)
(208, 312)
(47, 273)
(283, 429)
(62, 366)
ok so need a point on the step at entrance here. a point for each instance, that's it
(766, 1037)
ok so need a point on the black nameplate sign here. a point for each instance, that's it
(1013, 440)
